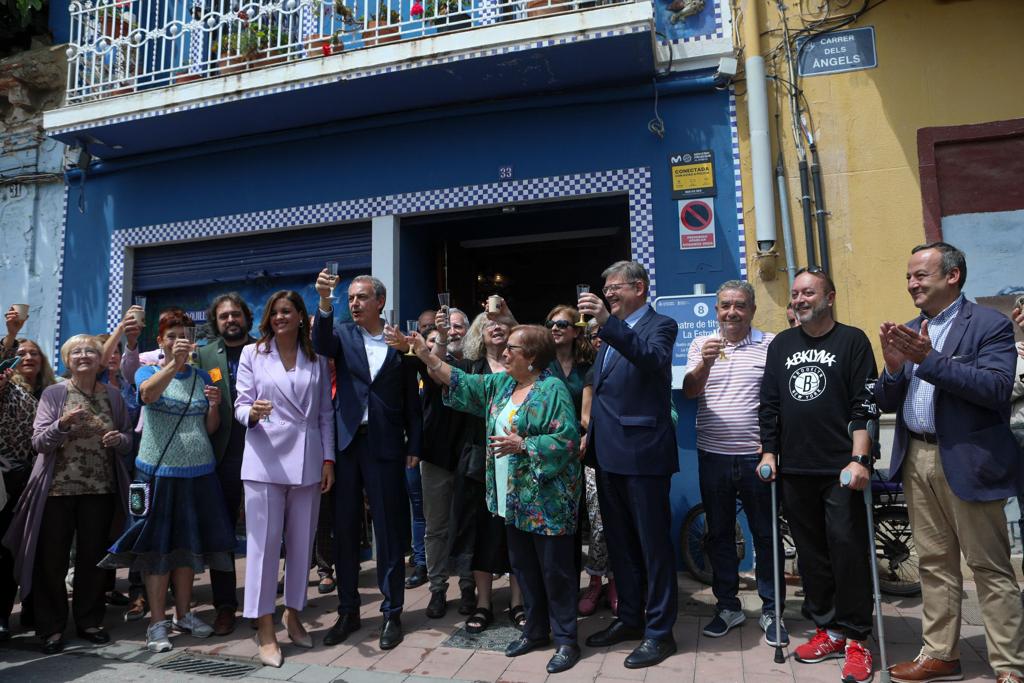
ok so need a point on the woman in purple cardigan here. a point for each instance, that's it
(284, 398)
(78, 488)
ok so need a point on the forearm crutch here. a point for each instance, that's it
(765, 473)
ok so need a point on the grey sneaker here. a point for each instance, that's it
(191, 623)
(156, 637)
(767, 623)
(724, 620)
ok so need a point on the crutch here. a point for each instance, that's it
(765, 473)
(869, 503)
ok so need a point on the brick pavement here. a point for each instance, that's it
(427, 654)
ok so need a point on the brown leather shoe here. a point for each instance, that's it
(924, 668)
(225, 621)
(1008, 677)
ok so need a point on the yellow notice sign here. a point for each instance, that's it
(693, 174)
(215, 374)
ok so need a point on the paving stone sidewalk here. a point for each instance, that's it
(436, 650)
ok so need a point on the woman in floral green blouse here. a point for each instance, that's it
(533, 479)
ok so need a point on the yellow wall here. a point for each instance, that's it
(940, 62)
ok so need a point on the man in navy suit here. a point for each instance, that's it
(632, 443)
(948, 376)
(378, 418)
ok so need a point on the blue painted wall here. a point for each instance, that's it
(416, 156)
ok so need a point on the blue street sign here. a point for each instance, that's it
(837, 51)
(695, 316)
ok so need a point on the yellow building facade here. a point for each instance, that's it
(940, 63)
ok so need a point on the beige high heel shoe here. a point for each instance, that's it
(304, 640)
(274, 659)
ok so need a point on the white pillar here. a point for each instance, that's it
(384, 240)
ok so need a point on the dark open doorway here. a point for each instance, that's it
(532, 255)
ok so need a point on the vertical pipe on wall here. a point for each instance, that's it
(787, 225)
(757, 113)
(819, 209)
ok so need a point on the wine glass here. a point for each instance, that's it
(721, 352)
(444, 300)
(581, 290)
(410, 327)
(190, 335)
(332, 270)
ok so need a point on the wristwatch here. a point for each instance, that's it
(864, 460)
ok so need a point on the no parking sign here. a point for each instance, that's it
(697, 223)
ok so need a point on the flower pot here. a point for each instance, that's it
(452, 22)
(186, 77)
(115, 27)
(541, 8)
(231, 64)
(374, 35)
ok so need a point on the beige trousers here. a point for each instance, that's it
(943, 527)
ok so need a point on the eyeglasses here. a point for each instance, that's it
(613, 288)
(560, 324)
(813, 270)
(513, 347)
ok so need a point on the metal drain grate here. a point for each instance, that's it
(205, 665)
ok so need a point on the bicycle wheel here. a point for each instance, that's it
(694, 544)
(899, 571)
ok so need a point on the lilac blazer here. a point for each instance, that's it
(23, 534)
(292, 446)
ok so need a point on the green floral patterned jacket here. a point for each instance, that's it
(543, 482)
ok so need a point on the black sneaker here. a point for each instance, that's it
(724, 620)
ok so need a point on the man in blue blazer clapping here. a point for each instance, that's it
(948, 376)
(378, 419)
(631, 442)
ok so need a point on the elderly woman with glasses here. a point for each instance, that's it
(77, 488)
(533, 479)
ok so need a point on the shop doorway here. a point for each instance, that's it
(532, 255)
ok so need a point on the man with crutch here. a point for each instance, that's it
(948, 377)
(724, 374)
(814, 408)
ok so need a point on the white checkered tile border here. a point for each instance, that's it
(734, 134)
(347, 76)
(60, 276)
(635, 183)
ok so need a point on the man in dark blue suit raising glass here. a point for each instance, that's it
(631, 442)
(378, 419)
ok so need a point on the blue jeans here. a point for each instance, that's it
(723, 478)
(414, 486)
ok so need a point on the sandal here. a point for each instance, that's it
(326, 585)
(479, 620)
(517, 615)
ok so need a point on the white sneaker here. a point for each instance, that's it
(156, 637)
(191, 623)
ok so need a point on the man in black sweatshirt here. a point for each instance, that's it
(814, 395)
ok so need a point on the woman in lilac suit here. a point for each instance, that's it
(284, 397)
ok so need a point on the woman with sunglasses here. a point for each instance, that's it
(573, 353)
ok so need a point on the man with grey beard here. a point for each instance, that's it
(440, 459)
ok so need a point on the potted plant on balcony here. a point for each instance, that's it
(540, 8)
(383, 27)
(226, 50)
(115, 19)
(448, 15)
(329, 40)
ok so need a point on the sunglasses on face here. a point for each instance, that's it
(560, 324)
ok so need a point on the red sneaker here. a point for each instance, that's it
(819, 648)
(857, 668)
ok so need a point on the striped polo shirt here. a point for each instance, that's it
(727, 408)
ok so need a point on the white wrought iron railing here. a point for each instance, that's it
(123, 46)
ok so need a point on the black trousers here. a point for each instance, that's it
(14, 483)
(358, 468)
(224, 583)
(89, 517)
(830, 529)
(543, 565)
(638, 528)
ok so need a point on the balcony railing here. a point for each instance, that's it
(119, 47)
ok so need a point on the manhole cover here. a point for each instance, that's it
(496, 638)
(206, 665)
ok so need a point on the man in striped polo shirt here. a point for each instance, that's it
(724, 374)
